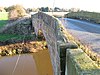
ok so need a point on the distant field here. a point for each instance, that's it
(3, 18)
(3, 15)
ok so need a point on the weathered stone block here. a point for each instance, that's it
(78, 63)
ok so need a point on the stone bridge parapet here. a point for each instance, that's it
(62, 52)
(49, 26)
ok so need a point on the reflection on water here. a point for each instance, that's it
(26, 65)
(43, 63)
(40, 65)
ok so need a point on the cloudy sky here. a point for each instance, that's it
(90, 5)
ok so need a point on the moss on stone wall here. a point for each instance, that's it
(82, 63)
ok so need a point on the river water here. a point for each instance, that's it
(27, 64)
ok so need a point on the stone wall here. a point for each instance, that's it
(49, 27)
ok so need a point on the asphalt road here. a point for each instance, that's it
(87, 33)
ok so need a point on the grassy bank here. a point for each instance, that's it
(3, 18)
(83, 15)
(16, 38)
(3, 15)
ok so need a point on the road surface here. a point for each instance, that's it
(87, 33)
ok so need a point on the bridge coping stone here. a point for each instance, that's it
(83, 64)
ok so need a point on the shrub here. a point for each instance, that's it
(2, 9)
(16, 12)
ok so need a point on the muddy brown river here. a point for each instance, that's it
(27, 64)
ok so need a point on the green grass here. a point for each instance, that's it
(2, 23)
(3, 18)
(84, 15)
(3, 15)
(4, 37)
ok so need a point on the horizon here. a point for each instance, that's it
(68, 4)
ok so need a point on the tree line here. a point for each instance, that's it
(17, 11)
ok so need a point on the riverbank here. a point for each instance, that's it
(21, 48)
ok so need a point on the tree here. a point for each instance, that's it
(44, 9)
(56, 9)
(16, 11)
(2, 9)
(13, 15)
(35, 9)
(74, 10)
(28, 10)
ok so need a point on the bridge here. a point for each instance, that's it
(59, 14)
(69, 56)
